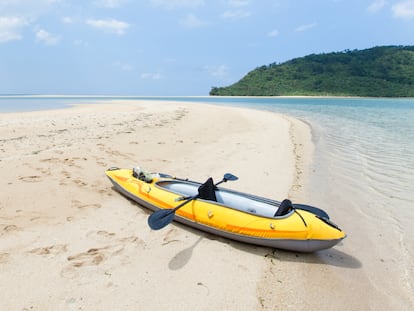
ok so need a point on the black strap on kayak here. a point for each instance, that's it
(287, 206)
(304, 222)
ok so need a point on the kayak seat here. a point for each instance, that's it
(207, 191)
(284, 208)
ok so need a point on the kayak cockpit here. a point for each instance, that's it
(228, 198)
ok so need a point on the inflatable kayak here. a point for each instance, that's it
(231, 214)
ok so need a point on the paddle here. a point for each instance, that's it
(162, 218)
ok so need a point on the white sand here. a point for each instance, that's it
(68, 241)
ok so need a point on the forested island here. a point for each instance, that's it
(383, 71)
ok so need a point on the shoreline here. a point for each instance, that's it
(32, 103)
(144, 97)
(60, 214)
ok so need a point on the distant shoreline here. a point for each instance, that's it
(25, 103)
(182, 96)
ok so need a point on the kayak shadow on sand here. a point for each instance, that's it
(331, 257)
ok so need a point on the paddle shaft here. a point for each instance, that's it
(163, 217)
(173, 210)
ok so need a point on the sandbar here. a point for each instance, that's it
(69, 241)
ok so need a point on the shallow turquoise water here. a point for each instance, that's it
(374, 138)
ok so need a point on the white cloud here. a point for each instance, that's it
(110, 4)
(217, 71)
(67, 20)
(176, 4)
(11, 28)
(18, 14)
(238, 3)
(305, 27)
(80, 42)
(236, 9)
(235, 14)
(46, 37)
(28, 9)
(404, 9)
(15, 3)
(109, 25)
(151, 76)
(124, 66)
(273, 33)
(192, 21)
(376, 6)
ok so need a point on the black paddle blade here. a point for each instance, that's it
(160, 219)
(229, 176)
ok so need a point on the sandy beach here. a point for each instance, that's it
(68, 241)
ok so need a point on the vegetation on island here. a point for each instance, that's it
(383, 71)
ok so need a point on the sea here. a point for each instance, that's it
(362, 173)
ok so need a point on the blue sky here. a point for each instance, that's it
(178, 47)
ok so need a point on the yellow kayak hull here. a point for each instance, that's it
(299, 230)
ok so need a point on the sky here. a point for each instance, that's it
(178, 47)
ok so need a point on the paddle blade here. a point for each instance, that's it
(160, 219)
(229, 176)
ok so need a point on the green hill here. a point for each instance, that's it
(385, 71)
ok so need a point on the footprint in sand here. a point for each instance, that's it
(66, 174)
(101, 235)
(80, 205)
(95, 256)
(133, 240)
(43, 171)
(4, 257)
(33, 178)
(170, 236)
(101, 161)
(50, 250)
(103, 191)
(80, 183)
(72, 162)
(10, 228)
(51, 160)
